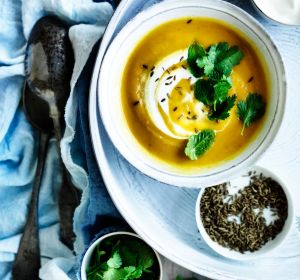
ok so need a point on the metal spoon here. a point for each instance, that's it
(48, 67)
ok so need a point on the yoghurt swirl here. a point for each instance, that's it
(170, 102)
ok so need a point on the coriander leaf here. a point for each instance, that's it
(115, 261)
(221, 110)
(205, 63)
(146, 257)
(221, 89)
(199, 143)
(250, 110)
(204, 92)
(133, 272)
(219, 60)
(146, 261)
(129, 257)
(195, 52)
(114, 274)
(208, 62)
(227, 60)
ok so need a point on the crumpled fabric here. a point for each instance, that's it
(18, 139)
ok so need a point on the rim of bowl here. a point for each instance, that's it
(90, 250)
(279, 238)
(272, 18)
(195, 180)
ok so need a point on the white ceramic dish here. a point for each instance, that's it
(111, 76)
(170, 226)
(87, 256)
(284, 12)
(269, 246)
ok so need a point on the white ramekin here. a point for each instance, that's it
(269, 246)
(88, 254)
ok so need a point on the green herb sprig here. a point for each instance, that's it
(214, 67)
(199, 143)
(251, 109)
(124, 259)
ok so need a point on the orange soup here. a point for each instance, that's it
(162, 123)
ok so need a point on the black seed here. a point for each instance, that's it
(152, 68)
(163, 100)
(145, 66)
(151, 74)
(175, 109)
(189, 21)
(136, 103)
(157, 80)
(250, 79)
(184, 67)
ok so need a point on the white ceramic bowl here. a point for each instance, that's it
(269, 246)
(109, 84)
(88, 254)
(285, 14)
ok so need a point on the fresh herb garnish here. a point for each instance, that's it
(203, 90)
(126, 258)
(221, 89)
(199, 143)
(221, 109)
(195, 52)
(219, 60)
(214, 66)
(210, 92)
(250, 110)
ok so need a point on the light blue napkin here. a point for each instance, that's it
(18, 147)
(17, 139)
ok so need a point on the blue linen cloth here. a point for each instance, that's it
(18, 146)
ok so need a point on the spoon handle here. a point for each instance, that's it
(27, 262)
(69, 195)
(68, 201)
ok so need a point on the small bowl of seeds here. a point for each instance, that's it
(247, 217)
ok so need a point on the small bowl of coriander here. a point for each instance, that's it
(121, 255)
(247, 217)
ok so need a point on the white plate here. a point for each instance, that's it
(164, 215)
